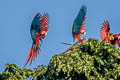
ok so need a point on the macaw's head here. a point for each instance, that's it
(43, 34)
(83, 32)
(116, 36)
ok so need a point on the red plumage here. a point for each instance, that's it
(106, 35)
(38, 30)
(105, 31)
(78, 36)
(78, 25)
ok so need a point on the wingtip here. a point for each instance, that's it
(46, 14)
(84, 8)
(38, 13)
(106, 22)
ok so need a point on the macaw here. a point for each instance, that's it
(108, 37)
(38, 31)
(78, 25)
(78, 28)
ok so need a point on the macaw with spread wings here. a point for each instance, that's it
(78, 25)
(78, 28)
(106, 36)
(38, 31)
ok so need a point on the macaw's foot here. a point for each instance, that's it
(67, 51)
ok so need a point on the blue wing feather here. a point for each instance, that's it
(37, 22)
(35, 26)
(78, 20)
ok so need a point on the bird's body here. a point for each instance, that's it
(38, 31)
(78, 25)
(106, 36)
(115, 40)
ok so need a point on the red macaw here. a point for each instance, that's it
(38, 32)
(106, 36)
(78, 25)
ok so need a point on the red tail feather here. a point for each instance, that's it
(29, 56)
(32, 53)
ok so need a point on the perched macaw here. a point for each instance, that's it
(78, 28)
(108, 37)
(78, 25)
(38, 32)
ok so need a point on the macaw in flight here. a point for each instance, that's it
(38, 31)
(78, 25)
(108, 37)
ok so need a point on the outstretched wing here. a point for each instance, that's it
(105, 31)
(39, 24)
(35, 26)
(79, 21)
(44, 26)
(44, 21)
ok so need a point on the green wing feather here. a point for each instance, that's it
(79, 20)
(35, 26)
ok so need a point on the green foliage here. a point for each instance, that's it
(91, 61)
(12, 72)
(111, 37)
(39, 73)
